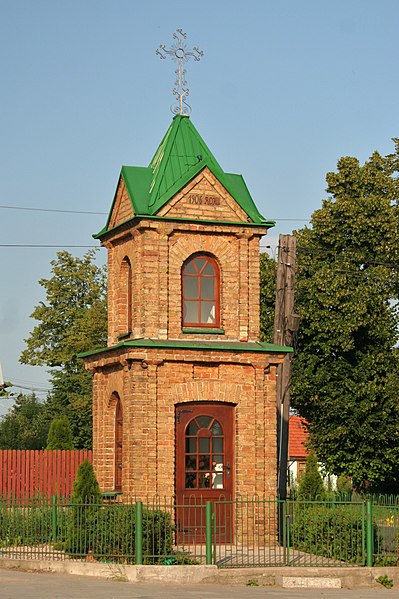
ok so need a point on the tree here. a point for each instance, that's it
(3, 389)
(71, 320)
(311, 485)
(60, 434)
(4, 385)
(346, 366)
(86, 505)
(86, 488)
(25, 426)
(268, 270)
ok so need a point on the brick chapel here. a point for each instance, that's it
(184, 394)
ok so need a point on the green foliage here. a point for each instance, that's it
(86, 501)
(333, 532)
(4, 387)
(60, 434)
(346, 366)
(118, 539)
(108, 532)
(104, 532)
(385, 581)
(268, 270)
(252, 582)
(27, 523)
(25, 426)
(344, 485)
(311, 485)
(86, 487)
(71, 320)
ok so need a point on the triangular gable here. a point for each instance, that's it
(122, 209)
(206, 199)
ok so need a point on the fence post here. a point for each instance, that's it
(139, 533)
(369, 533)
(54, 516)
(208, 532)
(282, 512)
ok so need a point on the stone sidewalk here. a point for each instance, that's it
(20, 585)
(272, 577)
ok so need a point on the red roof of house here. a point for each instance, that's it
(297, 437)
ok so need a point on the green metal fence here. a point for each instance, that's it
(241, 533)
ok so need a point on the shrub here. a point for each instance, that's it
(86, 487)
(332, 531)
(26, 523)
(311, 484)
(108, 533)
(116, 535)
(85, 507)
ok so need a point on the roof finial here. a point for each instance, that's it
(179, 52)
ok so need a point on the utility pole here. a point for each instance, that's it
(285, 324)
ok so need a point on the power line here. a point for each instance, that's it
(39, 389)
(305, 220)
(38, 245)
(51, 210)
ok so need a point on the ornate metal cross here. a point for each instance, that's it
(180, 54)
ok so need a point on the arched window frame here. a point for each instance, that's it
(118, 449)
(210, 260)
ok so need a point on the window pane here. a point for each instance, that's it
(190, 268)
(204, 421)
(192, 428)
(208, 313)
(190, 463)
(190, 480)
(204, 445)
(217, 445)
(216, 429)
(207, 288)
(208, 270)
(191, 287)
(199, 263)
(191, 445)
(217, 474)
(203, 462)
(204, 480)
(190, 311)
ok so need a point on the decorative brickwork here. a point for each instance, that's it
(205, 196)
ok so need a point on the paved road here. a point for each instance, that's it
(27, 585)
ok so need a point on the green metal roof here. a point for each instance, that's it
(181, 155)
(194, 344)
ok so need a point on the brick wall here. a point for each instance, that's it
(151, 383)
(157, 250)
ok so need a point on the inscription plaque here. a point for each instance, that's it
(203, 200)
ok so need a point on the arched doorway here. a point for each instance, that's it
(204, 467)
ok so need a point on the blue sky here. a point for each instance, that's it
(284, 89)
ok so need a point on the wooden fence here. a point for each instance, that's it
(30, 473)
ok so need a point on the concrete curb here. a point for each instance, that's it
(287, 577)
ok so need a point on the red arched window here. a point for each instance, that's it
(201, 290)
(125, 296)
(118, 444)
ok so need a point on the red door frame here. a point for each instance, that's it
(198, 470)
